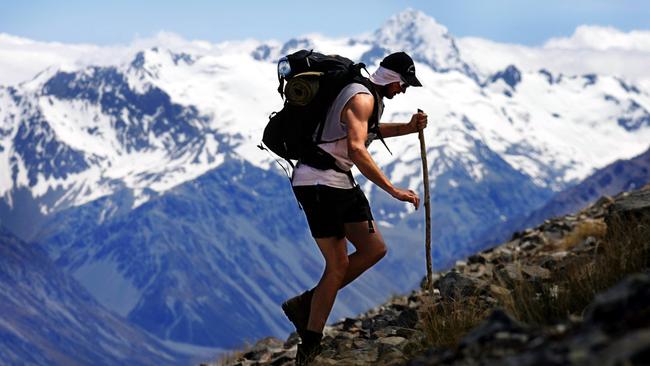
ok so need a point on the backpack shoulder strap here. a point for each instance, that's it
(373, 123)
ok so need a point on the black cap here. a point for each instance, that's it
(402, 64)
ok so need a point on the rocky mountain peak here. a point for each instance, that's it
(422, 37)
(415, 21)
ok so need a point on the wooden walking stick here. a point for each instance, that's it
(427, 204)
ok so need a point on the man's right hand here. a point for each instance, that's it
(407, 195)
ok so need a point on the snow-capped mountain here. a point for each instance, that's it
(142, 177)
(107, 131)
(428, 41)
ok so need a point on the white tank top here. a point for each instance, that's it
(335, 132)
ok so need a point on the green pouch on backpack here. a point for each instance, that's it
(302, 88)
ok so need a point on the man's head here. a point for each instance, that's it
(396, 72)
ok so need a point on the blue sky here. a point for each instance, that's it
(529, 22)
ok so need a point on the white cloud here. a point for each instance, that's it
(21, 58)
(590, 37)
(591, 49)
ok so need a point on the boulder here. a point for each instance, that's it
(408, 318)
(623, 307)
(497, 325)
(454, 285)
(536, 272)
(633, 208)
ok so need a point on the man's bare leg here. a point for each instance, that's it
(342, 269)
(336, 266)
(370, 249)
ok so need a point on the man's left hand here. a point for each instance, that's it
(418, 122)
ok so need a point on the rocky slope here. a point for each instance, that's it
(613, 329)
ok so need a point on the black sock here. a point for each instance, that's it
(312, 338)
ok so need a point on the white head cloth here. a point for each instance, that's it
(384, 76)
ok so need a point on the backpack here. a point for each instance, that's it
(313, 80)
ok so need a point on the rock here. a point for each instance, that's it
(479, 271)
(586, 245)
(364, 353)
(476, 258)
(633, 207)
(632, 349)
(548, 262)
(292, 341)
(624, 306)
(454, 285)
(527, 246)
(411, 334)
(390, 356)
(413, 346)
(408, 318)
(284, 358)
(261, 351)
(349, 323)
(503, 256)
(366, 323)
(342, 345)
(433, 356)
(534, 238)
(497, 322)
(603, 201)
(510, 272)
(536, 272)
(393, 341)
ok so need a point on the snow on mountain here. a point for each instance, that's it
(536, 125)
(77, 136)
(216, 84)
(419, 35)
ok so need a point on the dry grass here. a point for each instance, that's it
(623, 248)
(583, 230)
(544, 302)
(446, 321)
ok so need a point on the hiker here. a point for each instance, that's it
(335, 206)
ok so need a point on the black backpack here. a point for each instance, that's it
(313, 81)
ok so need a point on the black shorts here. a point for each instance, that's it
(328, 209)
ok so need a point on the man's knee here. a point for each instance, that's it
(338, 268)
(380, 251)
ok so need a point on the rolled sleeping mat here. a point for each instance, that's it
(302, 88)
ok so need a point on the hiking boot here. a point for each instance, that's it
(306, 355)
(297, 310)
(309, 348)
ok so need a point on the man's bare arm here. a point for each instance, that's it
(356, 115)
(418, 121)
